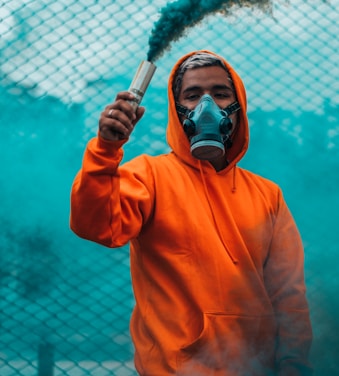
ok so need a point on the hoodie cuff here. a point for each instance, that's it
(103, 155)
(108, 145)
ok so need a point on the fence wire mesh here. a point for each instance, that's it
(65, 302)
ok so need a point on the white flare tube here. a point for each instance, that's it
(141, 81)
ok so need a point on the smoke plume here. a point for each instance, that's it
(177, 16)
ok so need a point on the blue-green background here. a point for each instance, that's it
(61, 64)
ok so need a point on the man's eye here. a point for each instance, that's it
(221, 95)
(192, 97)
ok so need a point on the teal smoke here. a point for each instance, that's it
(177, 16)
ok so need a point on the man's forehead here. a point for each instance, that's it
(211, 76)
(208, 70)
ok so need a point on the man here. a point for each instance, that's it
(216, 259)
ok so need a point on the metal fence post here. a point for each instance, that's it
(45, 359)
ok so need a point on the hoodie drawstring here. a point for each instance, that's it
(233, 258)
(234, 187)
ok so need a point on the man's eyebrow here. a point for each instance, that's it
(222, 87)
(192, 88)
(214, 87)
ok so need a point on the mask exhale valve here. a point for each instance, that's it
(208, 128)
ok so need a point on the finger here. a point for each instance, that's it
(123, 106)
(125, 95)
(119, 118)
(113, 129)
(126, 100)
(120, 114)
(139, 114)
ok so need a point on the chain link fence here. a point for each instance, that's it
(65, 303)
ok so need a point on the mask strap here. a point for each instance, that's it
(182, 110)
(232, 108)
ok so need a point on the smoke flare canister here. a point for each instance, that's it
(141, 81)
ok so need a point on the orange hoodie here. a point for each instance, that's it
(216, 259)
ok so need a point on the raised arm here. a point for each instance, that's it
(109, 203)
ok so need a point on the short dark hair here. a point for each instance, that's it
(198, 60)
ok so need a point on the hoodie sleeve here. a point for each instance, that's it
(284, 277)
(109, 204)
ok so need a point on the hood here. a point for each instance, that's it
(177, 138)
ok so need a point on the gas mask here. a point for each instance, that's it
(208, 127)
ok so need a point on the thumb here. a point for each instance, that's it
(139, 114)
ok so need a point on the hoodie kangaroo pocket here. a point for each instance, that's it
(233, 344)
